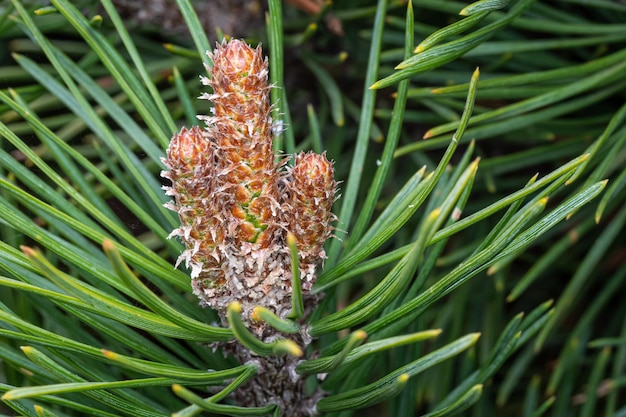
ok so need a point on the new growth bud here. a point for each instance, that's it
(236, 203)
(191, 163)
(312, 189)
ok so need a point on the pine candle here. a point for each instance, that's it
(236, 200)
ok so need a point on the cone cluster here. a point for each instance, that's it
(237, 200)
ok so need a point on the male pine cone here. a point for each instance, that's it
(236, 203)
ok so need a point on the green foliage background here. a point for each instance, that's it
(88, 104)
